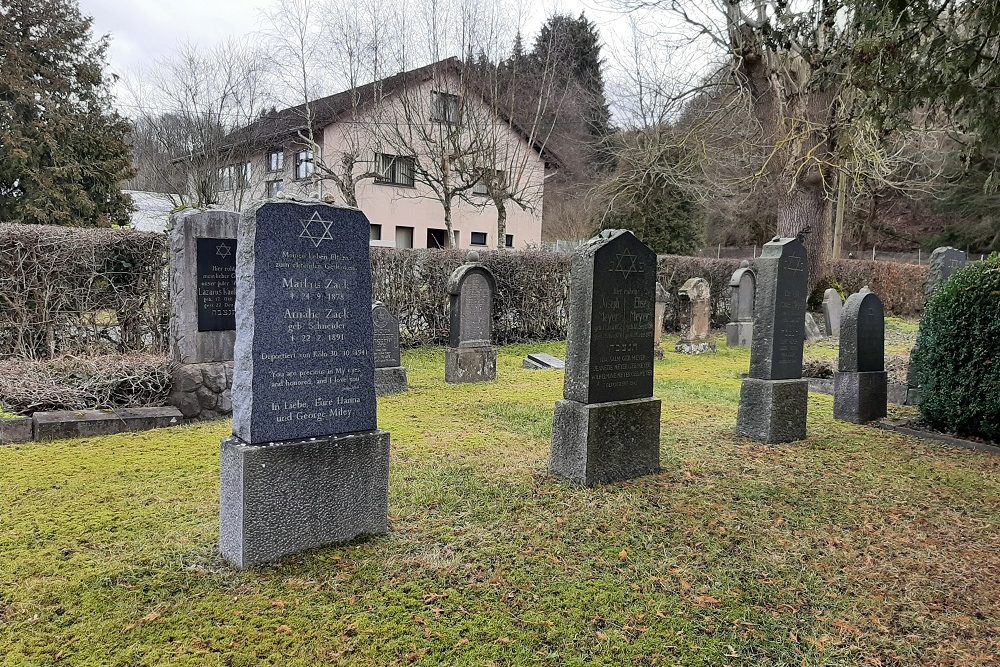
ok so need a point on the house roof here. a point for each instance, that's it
(287, 123)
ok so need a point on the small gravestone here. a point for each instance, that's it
(390, 376)
(658, 314)
(696, 298)
(832, 307)
(774, 396)
(306, 465)
(471, 356)
(742, 290)
(537, 361)
(861, 382)
(812, 331)
(607, 428)
(943, 262)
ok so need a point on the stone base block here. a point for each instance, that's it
(860, 397)
(470, 364)
(203, 391)
(694, 347)
(282, 498)
(390, 380)
(600, 443)
(18, 429)
(87, 423)
(739, 334)
(773, 411)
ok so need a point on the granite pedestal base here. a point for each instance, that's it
(600, 443)
(860, 397)
(739, 334)
(286, 497)
(390, 380)
(773, 411)
(470, 364)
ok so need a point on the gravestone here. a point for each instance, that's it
(658, 314)
(742, 290)
(390, 376)
(607, 427)
(537, 361)
(832, 307)
(812, 331)
(696, 298)
(471, 356)
(202, 311)
(306, 465)
(860, 384)
(773, 397)
(943, 262)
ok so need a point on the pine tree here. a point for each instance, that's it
(64, 150)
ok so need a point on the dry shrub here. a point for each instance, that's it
(126, 381)
(75, 291)
(900, 286)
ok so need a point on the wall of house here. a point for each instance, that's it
(395, 210)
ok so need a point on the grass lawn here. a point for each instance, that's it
(856, 546)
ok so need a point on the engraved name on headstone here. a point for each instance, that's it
(386, 336)
(216, 282)
(304, 363)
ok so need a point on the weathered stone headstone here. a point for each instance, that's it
(471, 356)
(743, 289)
(607, 428)
(307, 465)
(812, 331)
(861, 381)
(390, 376)
(774, 396)
(202, 304)
(696, 298)
(538, 361)
(832, 307)
(943, 262)
(658, 314)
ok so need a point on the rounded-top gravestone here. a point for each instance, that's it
(471, 356)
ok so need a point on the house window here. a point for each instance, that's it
(509, 241)
(482, 187)
(303, 165)
(404, 237)
(245, 175)
(227, 178)
(478, 238)
(276, 161)
(394, 169)
(436, 238)
(444, 108)
(274, 188)
(374, 232)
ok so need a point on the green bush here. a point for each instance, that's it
(956, 355)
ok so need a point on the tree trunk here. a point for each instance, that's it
(806, 207)
(446, 203)
(501, 223)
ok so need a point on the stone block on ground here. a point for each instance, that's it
(538, 361)
(283, 498)
(860, 397)
(390, 380)
(15, 430)
(601, 443)
(773, 411)
(87, 423)
(470, 364)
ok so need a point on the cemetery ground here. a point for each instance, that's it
(856, 546)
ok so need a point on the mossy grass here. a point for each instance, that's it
(856, 546)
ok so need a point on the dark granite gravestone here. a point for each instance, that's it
(390, 376)
(861, 381)
(471, 356)
(742, 290)
(607, 428)
(832, 307)
(203, 286)
(774, 396)
(306, 465)
(943, 262)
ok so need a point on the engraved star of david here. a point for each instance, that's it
(311, 229)
(223, 250)
(626, 264)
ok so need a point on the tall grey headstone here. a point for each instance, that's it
(390, 376)
(695, 296)
(861, 382)
(471, 356)
(306, 465)
(658, 314)
(832, 307)
(943, 262)
(607, 427)
(742, 291)
(773, 398)
(812, 331)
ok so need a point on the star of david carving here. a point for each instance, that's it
(223, 250)
(316, 229)
(625, 264)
